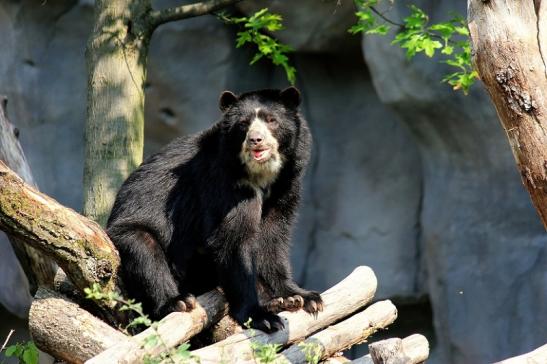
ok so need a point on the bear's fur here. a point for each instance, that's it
(216, 209)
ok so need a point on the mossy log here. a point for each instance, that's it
(78, 245)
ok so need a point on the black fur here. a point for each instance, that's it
(184, 223)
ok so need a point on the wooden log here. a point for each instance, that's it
(78, 245)
(37, 267)
(413, 349)
(61, 328)
(537, 356)
(343, 335)
(345, 298)
(173, 330)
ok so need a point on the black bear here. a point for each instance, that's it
(217, 209)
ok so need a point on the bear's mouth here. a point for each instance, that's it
(260, 154)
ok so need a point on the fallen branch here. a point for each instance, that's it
(413, 349)
(340, 301)
(539, 355)
(61, 328)
(173, 330)
(78, 245)
(342, 335)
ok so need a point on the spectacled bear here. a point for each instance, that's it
(216, 209)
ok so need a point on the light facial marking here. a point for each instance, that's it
(261, 159)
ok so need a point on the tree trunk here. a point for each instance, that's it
(38, 269)
(116, 56)
(509, 43)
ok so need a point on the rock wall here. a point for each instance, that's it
(406, 176)
(484, 246)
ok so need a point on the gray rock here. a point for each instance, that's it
(484, 247)
(313, 25)
(364, 181)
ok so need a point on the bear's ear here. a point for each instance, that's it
(227, 99)
(291, 97)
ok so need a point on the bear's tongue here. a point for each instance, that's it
(257, 154)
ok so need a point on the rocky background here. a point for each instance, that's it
(407, 176)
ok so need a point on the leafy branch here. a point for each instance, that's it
(417, 35)
(254, 29)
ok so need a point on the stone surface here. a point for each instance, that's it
(313, 25)
(484, 247)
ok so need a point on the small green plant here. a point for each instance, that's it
(254, 30)
(312, 351)
(27, 353)
(417, 35)
(263, 353)
(180, 354)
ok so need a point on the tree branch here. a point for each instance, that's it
(80, 247)
(158, 17)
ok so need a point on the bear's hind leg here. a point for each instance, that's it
(146, 273)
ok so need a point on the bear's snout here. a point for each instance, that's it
(255, 137)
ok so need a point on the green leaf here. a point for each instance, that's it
(429, 46)
(448, 50)
(12, 350)
(30, 355)
(380, 30)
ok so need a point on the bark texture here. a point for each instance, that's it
(79, 246)
(38, 268)
(509, 42)
(114, 134)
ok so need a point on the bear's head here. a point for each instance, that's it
(263, 127)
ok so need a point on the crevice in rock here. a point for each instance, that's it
(418, 237)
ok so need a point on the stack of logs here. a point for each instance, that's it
(67, 326)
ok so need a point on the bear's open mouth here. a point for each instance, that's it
(260, 155)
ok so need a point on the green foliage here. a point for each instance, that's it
(265, 353)
(312, 351)
(179, 354)
(253, 31)
(367, 22)
(416, 35)
(27, 353)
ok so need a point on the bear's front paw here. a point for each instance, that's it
(313, 303)
(290, 303)
(266, 321)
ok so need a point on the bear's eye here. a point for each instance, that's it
(244, 121)
(270, 119)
